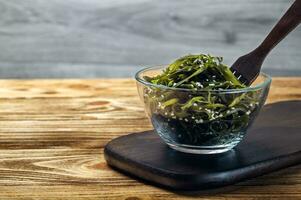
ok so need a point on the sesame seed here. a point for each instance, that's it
(209, 111)
(199, 121)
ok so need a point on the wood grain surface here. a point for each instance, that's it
(52, 134)
(80, 38)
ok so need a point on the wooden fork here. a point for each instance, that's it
(247, 67)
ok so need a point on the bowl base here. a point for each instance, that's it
(201, 150)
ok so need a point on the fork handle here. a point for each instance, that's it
(290, 20)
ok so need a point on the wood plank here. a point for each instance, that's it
(79, 38)
(52, 134)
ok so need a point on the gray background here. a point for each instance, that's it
(115, 38)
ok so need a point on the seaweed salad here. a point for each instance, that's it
(193, 106)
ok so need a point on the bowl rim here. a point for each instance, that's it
(263, 84)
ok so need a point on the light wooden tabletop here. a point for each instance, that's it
(52, 134)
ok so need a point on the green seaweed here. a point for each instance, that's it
(204, 113)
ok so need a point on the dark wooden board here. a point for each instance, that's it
(272, 143)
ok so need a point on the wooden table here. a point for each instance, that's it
(53, 133)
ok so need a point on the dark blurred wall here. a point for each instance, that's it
(115, 38)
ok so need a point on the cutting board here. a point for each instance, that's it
(272, 143)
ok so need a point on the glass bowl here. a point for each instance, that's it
(187, 121)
